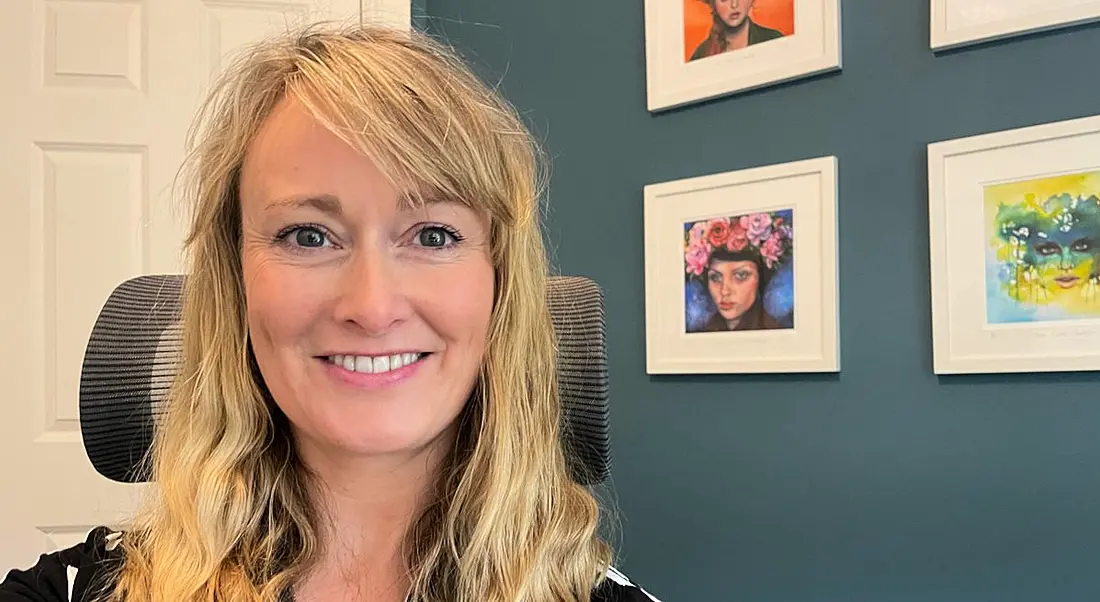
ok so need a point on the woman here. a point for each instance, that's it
(732, 28)
(367, 406)
(734, 260)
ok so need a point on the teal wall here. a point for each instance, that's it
(885, 483)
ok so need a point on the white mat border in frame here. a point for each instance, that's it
(963, 342)
(813, 345)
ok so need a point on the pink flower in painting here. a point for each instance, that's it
(739, 235)
(718, 230)
(772, 249)
(760, 228)
(696, 234)
(782, 227)
(696, 257)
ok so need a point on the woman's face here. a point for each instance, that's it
(368, 318)
(732, 12)
(733, 286)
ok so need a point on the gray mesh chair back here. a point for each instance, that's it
(132, 355)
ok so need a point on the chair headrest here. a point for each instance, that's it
(133, 352)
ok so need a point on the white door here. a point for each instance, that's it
(97, 98)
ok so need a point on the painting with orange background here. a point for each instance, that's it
(715, 26)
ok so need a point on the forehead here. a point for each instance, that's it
(725, 265)
(1065, 237)
(293, 153)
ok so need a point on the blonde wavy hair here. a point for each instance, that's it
(230, 517)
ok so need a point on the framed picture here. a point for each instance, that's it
(700, 49)
(741, 271)
(1014, 220)
(962, 22)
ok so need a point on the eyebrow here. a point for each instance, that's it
(330, 204)
(325, 203)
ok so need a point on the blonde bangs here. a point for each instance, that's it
(422, 117)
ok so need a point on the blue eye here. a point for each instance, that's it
(303, 237)
(433, 237)
(309, 237)
(438, 237)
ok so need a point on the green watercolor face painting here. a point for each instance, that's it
(1043, 260)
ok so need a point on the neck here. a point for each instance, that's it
(367, 504)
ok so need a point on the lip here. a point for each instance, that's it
(383, 380)
(1067, 281)
(725, 306)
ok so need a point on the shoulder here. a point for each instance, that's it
(617, 587)
(65, 575)
(762, 33)
(703, 50)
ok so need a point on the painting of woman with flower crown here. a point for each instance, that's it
(739, 273)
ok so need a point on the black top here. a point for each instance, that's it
(65, 575)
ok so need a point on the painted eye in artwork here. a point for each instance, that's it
(1048, 248)
(1082, 245)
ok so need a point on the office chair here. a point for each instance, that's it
(131, 357)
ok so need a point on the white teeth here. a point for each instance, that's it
(374, 364)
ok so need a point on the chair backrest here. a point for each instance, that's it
(132, 354)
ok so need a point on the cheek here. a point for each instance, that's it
(279, 298)
(745, 288)
(461, 299)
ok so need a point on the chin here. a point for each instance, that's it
(374, 441)
(364, 427)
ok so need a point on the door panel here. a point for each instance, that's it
(99, 95)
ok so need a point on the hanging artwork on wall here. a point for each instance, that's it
(963, 22)
(1015, 249)
(701, 49)
(741, 271)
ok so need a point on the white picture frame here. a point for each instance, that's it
(999, 304)
(809, 342)
(812, 47)
(957, 23)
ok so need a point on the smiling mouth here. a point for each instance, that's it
(376, 364)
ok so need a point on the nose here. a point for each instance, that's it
(370, 295)
(1065, 262)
